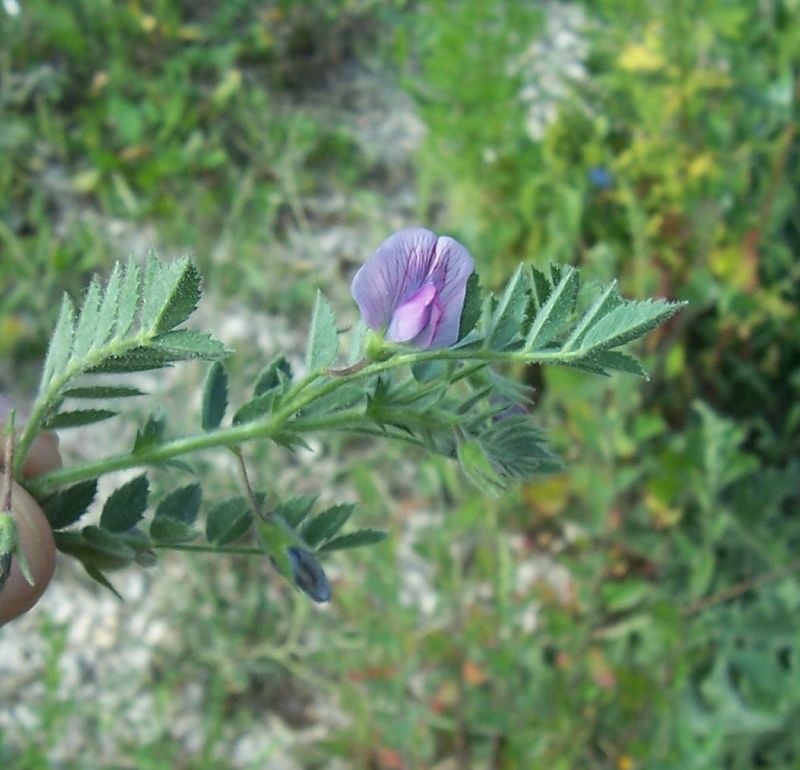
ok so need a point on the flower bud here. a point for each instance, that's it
(377, 349)
(308, 575)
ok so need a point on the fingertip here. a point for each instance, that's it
(44, 455)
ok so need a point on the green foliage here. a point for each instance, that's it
(9, 545)
(690, 112)
(66, 506)
(324, 525)
(228, 520)
(215, 397)
(320, 532)
(125, 506)
(126, 326)
(637, 612)
(99, 132)
(175, 516)
(517, 448)
(471, 311)
(355, 539)
(255, 408)
(151, 433)
(554, 304)
(295, 509)
(181, 505)
(102, 391)
(323, 341)
(276, 372)
(537, 315)
(507, 318)
(271, 383)
(77, 418)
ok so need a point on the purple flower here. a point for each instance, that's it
(601, 177)
(413, 287)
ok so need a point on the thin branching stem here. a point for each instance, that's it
(255, 508)
(241, 551)
(299, 397)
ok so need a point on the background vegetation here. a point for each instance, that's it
(640, 610)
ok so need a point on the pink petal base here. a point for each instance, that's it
(413, 316)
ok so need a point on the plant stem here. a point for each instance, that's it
(750, 584)
(8, 470)
(295, 400)
(54, 387)
(255, 508)
(241, 551)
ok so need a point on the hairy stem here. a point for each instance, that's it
(52, 394)
(241, 551)
(299, 397)
(255, 508)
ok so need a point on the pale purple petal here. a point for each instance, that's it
(394, 272)
(412, 316)
(424, 339)
(452, 268)
(389, 288)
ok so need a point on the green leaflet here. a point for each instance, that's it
(77, 417)
(182, 296)
(58, 352)
(356, 539)
(506, 321)
(215, 397)
(128, 325)
(181, 504)
(295, 509)
(605, 303)
(477, 467)
(627, 322)
(471, 312)
(255, 408)
(150, 434)
(552, 316)
(67, 506)
(87, 327)
(323, 340)
(276, 372)
(165, 530)
(102, 391)
(175, 515)
(108, 309)
(228, 520)
(125, 507)
(184, 344)
(171, 293)
(326, 524)
(128, 300)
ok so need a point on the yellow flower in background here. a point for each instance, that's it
(637, 57)
(702, 166)
(645, 56)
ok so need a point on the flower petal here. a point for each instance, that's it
(392, 274)
(387, 287)
(450, 272)
(412, 316)
(424, 339)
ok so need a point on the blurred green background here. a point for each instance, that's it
(642, 610)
